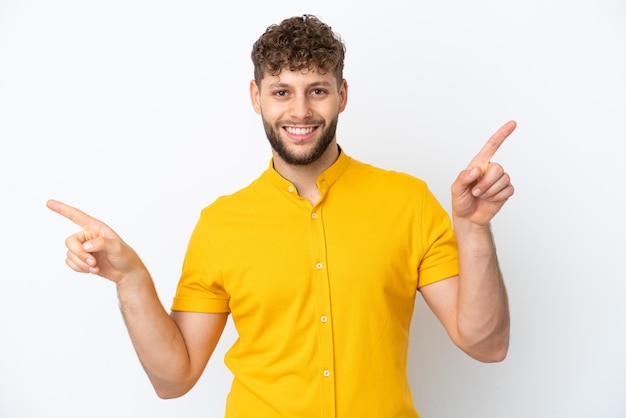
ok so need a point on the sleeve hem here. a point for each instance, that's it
(203, 305)
(437, 273)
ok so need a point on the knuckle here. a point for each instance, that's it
(497, 168)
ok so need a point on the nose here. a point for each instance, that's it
(301, 107)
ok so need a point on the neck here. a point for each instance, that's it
(304, 177)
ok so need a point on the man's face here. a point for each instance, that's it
(300, 112)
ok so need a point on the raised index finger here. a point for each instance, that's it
(491, 146)
(73, 214)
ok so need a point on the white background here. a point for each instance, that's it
(138, 113)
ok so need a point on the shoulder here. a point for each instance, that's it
(241, 199)
(386, 179)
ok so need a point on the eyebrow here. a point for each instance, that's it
(313, 84)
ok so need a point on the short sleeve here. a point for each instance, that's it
(200, 288)
(440, 260)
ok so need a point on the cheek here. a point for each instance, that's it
(271, 113)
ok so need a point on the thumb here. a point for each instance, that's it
(466, 179)
(93, 245)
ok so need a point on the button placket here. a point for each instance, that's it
(324, 318)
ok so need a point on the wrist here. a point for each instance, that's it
(133, 280)
(465, 226)
(474, 240)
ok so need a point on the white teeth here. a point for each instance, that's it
(299, 131)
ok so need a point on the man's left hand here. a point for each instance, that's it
(483, 187)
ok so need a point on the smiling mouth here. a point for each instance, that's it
(293, 130)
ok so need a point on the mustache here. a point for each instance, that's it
(307, 121)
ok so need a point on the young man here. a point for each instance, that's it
(318, 261)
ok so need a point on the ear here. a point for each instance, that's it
(255, 97)
(343, 95)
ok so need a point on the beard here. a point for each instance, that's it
(292, 158)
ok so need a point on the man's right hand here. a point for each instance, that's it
(96, 248)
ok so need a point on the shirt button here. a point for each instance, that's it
(290, 188)
(314, 215)
(323, 318)
(318, 266)
(326, 373)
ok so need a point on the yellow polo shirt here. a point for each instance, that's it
(321, 296)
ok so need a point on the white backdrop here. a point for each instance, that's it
(138, 113)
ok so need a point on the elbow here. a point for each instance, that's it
(500, 352)
(169, 393)
(492, 348)
(494, 354)
(171, 386)
(166, 394)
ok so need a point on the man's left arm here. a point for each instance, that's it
(473, 306)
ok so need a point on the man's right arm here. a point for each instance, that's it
(173, 349)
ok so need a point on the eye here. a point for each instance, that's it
(318, 92)
(280, 93)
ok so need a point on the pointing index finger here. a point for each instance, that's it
(488, 150)
(73, 214)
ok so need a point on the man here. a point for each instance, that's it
(317, 261)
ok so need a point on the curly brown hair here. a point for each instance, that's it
(298, 43)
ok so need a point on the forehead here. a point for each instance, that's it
(299, 78)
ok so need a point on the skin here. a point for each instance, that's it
(308, 100)
(175, 348)
(473, 306)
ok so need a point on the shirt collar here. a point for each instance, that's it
(326, 179)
